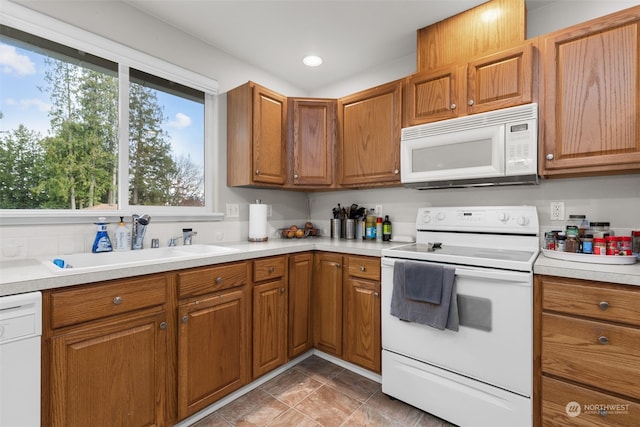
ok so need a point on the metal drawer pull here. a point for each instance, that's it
(603, 412)
(185, 318)
(376, 294)
(603, 340)
(163, 325)
(218, 280)
(282, 290)
(272, 269)
(117, 300)
(603, 305)
(362, 268)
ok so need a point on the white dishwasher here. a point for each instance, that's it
(20, 332)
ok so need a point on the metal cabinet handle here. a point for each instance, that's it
(362, 268)
(453, 106)
(337, 265)
(603, 340)
(117, 300)
(470, 102)
(218, 280)
(549, 156)
(603, 412)
(376, 294)
(603, 305)
(272, 269)
(163, 325)
(185, 318)
(396, 171)
(257, 171)
(295, 176)
(283, 290)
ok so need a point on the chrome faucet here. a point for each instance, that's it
(138, 228)
(187, 237)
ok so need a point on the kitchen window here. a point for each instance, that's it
(88, 126)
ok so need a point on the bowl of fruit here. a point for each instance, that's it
(299, 232)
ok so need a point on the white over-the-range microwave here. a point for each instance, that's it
(494, 148)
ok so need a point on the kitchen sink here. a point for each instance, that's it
(84, 262)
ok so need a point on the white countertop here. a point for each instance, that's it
(622, 274)
(28, 275)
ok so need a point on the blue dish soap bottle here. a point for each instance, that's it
(102, 243)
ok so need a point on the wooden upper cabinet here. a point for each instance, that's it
(491, 26)
(311, 142)
(500, 80)
(591, 111)
(369, 125)
(497, 80)
(256, 136)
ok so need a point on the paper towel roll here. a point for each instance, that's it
(258, 222)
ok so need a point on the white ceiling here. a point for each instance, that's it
(351, 36)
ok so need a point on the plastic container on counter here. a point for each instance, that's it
(624, 245)
(599, 229)
(635, 236)
(580, 222)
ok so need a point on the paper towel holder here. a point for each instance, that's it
(257, 238)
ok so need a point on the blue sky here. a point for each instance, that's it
(21, 102)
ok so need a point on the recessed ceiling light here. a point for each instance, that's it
(312, 60)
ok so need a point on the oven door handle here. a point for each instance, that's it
(505, 276)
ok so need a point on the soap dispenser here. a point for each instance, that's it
(122, 237)
(102, 243)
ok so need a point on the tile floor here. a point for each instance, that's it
(318, 393)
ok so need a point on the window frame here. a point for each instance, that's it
(52, 29)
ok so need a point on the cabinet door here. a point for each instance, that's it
(269, 326)
(269, 136)
(312, 136)
(110, 374)
(362, 343)
(300, 276)
(213, 349)
(501, 80)
(327, 303)
(432, 95)
(591, 104)
(369, 125)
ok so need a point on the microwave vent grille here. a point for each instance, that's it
(475, 121)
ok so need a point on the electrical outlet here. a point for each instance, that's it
(557, 211)
(378, 210)
(233, 210)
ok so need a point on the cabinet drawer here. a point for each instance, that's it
(211, 279)
(592, 299)
(596, 409)
(363, 267)
(74, 306)
(269, 268)
(599, 354)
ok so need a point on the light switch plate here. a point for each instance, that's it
(233, 210)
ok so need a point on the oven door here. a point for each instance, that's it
(495, 348)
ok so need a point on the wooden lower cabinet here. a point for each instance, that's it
(361, 317)
(213, 349)
(327, 303)
(587, 350)
(108, 365)
(299, 334)
(269, 314)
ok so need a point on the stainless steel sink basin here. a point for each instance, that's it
(83, 262)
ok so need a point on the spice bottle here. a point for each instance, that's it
(386, 229)
(624, 245)
(561, 241)
(587, 244)
(572, 244)
(599, 246)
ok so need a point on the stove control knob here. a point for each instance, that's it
(426, 218)
(504, 216)
(523, 220)
(440, 216)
